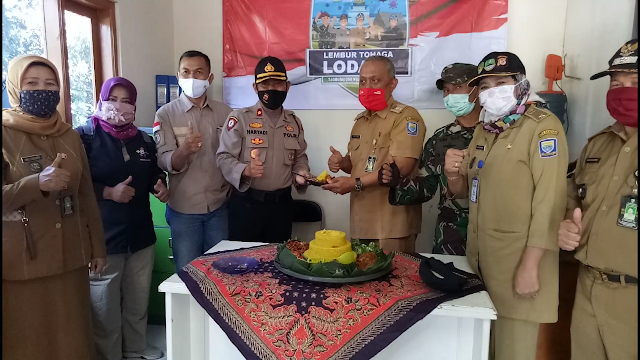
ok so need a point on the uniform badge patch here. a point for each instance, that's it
(548, 132)
(231, 123)
(35, 166)
(291, 155)
(259, 112)
(255, 125)
(265, 97)
(253, 153)
(257, 141)
(502, 60)
(355, 136)
(489, 65)
(142, 152)
(289, 128)
(412, 128)
(480, 147)
(548, 147)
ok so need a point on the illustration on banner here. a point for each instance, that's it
(344, 33)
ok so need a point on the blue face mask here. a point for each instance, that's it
(458, 104)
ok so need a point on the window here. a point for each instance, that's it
(78, 36)
(82, 83)
(22, 31)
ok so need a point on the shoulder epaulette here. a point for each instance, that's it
(397, 108)
(537, 113)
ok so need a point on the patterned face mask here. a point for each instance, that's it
(39, 103)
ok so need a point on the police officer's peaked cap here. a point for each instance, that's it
(498, 63)
(624, 60)
(270, 68)
(360, 16)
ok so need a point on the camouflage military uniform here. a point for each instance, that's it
(451, 226)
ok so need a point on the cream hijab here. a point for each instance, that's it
(15, 118)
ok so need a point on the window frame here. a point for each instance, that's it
(105, 54)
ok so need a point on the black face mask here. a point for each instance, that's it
(39, 103)
(272, 99)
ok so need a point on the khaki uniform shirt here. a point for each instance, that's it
(62, 242)
(520, 203)
(342, 37)
(358, 37)
(606, 170)
(397, 130)
(199, 188)
(282, 149)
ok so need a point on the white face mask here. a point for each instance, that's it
(497, 102)
(193, 88)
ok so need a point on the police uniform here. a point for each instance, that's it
(325, 37)
(517, 182)
(604, 323)
(260, 209)
(343, 40)
(393, 36)
(397, 130)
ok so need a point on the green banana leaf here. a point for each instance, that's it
(335, 269)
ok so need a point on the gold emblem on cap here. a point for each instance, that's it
(628, 49)
(269, 68)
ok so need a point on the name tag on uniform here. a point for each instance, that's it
(475, 187)
(628, 216)
(66, 205)
(371, 163)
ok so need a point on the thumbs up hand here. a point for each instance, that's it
(193, 142)
(121, 193)
(255, 169)
(54, 177)
(389, 173)
(162, 193)
(570, 231)
(334, 160)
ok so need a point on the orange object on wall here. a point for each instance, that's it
(553, 69)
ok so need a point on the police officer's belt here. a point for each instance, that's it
(268, 196)
(614, 278)
(440, 276)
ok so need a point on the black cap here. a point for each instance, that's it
(498, 63)
(448, 278)
(624, 60)
(344, 17)
(270, 68)
(456, 74)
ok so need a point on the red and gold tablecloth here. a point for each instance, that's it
(270, 315)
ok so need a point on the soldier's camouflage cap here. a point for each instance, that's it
(624, 60)
(456, 74)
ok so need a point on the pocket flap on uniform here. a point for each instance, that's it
(291, 144)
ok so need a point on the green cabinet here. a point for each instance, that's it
(163, 266)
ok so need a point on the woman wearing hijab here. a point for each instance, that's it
(51, 228)
(514, 174)
(124, 170)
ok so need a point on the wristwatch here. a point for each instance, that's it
(359, 186)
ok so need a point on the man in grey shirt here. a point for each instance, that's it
(187, 133)
(343, 41)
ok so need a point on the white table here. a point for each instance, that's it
(455, 330)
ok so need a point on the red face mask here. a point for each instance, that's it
(622, 104)
(373, 99)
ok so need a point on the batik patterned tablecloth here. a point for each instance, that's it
(270, 315)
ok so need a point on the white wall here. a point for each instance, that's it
(594, 32)
(145, 47)
(535, 28)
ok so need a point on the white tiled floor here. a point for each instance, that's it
(156, 336)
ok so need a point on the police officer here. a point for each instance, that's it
(461, 100)
(514, 174)
(388, 131)
(602, 224)
(341, 33)
(325, 37)
(393, 35)
(262, 147)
